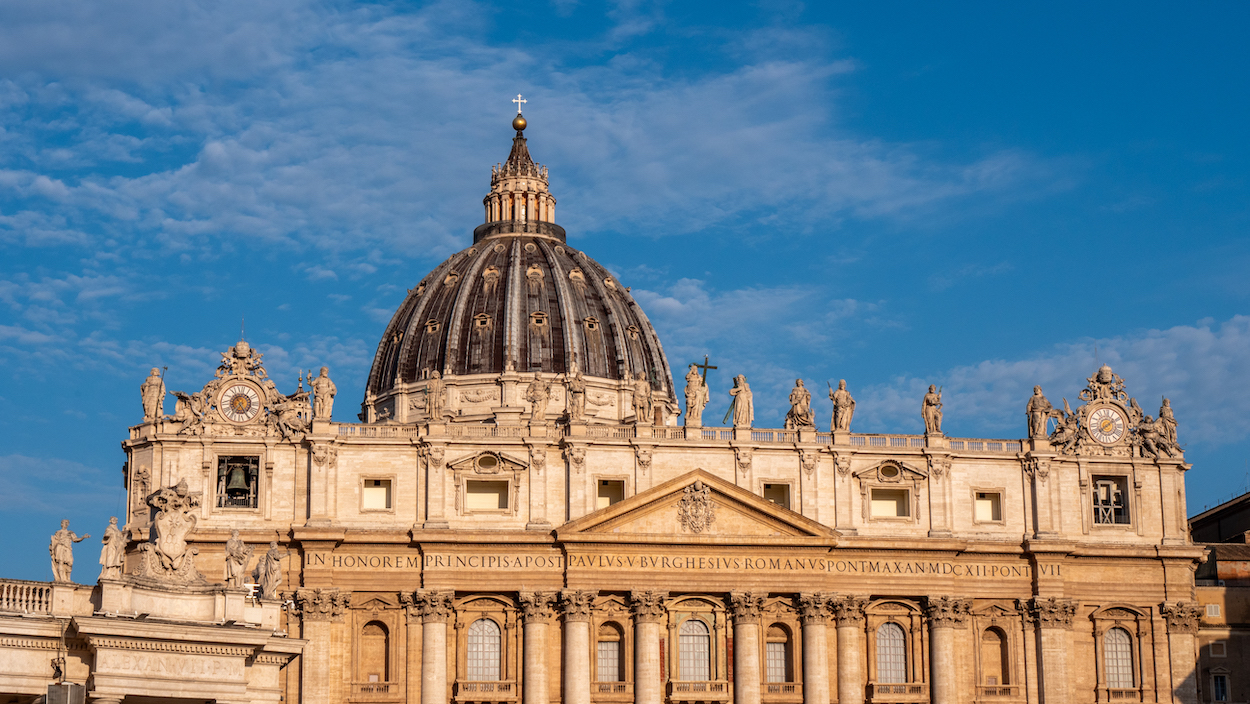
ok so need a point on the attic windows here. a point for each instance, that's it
(633, 332)
(432, 326)
(451, 279)
(592, 324)
(481, 321)
(538, 318)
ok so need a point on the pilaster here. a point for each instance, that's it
(648, 610)
(537, 609)
(814, 612)
(848, 615)
(944, 614)
(745, 607)
(1054, 623)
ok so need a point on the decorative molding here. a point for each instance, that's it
(814, 608)
(808, 461)
(1050, 612)
(322, 604)
(695, 510)
(746, 606)
(742, 455)
(843, 463)
(576, 457)
(1182, 616)
(538, 458)
(939, 466)
(116, 643)
(480, 395)
(647, 606)
(643, 454)
(434, 606)
(947, 612)
(576, 604)
(1037, 468)
(848, 610)
(324, 455)
(537, 607)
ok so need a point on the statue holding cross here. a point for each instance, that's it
(696, 394)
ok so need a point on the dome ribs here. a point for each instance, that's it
(571, 311)
(457, 330)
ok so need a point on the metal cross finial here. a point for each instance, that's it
(519, 102)
(705, 366)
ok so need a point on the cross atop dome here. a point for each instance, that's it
(519, 200)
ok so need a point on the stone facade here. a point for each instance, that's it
(470, 549)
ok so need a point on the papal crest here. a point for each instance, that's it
(695, 510)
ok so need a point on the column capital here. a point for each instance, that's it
(814, 608)
(576, 604)
(434, 606)
(648, 606)
(537, 607)
(848, 610)
(1050, 612)
(1182, 616)
(321, 604)
(746, 606)
(947, 611)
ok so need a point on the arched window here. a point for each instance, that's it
(891, 654)
(777, 655)
(994, 660)
(1119, 659)
(610, 654)
(695, 651)
(485, 651)
(374, 652)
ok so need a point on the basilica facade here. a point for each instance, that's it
(530, 510)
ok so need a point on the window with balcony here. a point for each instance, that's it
(609, 657)
(891, 654)
(777, 655)
(485, 652)
(694, 651)
(994, 658)
(1111, 501)
(374, 653)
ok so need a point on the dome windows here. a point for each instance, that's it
(538, 319)
(451, 279)
(591, 323)
(432, 326)
(633, 332)
(482, 321)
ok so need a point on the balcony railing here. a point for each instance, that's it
(698, 691)
(612, 691)
(487, 691)
(904, 693)
(377, 691)
(994, 691)
(783, 692)
(25, 597)
(1107, 694)
(971, 445)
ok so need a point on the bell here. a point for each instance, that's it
(236, 481)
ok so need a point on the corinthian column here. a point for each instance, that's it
(435, 609)
(648, 608)
(1182, 618)
(814, 610)
(319, 610)
(945, 614)
(576, 676)
(746, 612)
(848, 615)
(537, 608)
(1054, 621)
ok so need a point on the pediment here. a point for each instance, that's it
(488, 462)
(696, 507)
(892, 471)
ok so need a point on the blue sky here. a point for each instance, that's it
(896, 194)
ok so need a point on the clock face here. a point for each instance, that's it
(1106, 425)
(240, 403)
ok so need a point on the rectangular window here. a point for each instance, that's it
(778, 494)
(485, 495)
(1219, 688)
(1213, 610)
(989, 506)
(237, 481)
(609, 669)
(1219, 649)
(890, 503)
(610, 491)
(1111, 501)
(376, 495)
(776, 662)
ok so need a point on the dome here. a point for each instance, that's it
(518, 302)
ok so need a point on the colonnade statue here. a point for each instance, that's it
(323, 394)
(696, 397)
(112, 552)
(742, 407)
(1039, 411)
(152, 393)
(237, 556)
(268, 572)
(843, 408)
(800, 415)
(61, 549)
(931, 410)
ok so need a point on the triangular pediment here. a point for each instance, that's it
(697, 507)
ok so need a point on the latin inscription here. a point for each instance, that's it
(170, 665)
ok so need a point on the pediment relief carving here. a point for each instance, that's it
(892, 472)
(695, 506)
(488, 462)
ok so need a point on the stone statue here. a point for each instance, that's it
(696, 397)
(112, 552)
(576, 384)
(238, 554)
(152, 392)
(742, 407)
(800, 415)
(175, 521)
(843, 407)
(241, 360)
(642, 399)
(268, 572)
(1067, 431)
(290, 415)
(1039, 411)
(1150, 436)
(62, 551)
(538, 393)
(434, 394)
(323, 395)
(189, 411)
(931, 410)
(1169, 422)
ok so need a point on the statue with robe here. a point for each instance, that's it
(61, 549)
(931, 411)
(268, 572)
(323, 395)
(843, 408)
(742, 405)
(576, 384)
(642, 399)
(696, 397)
(800, 414)
(1169, 422)
(538, 393)
(238, 554)
(113, 551)
(434, 395)
(1039, 412)
(152, 393)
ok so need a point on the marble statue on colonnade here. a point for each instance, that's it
(238, 554)
(435, 392)
(642, 399)
(61, 549)
(323, 395)
(576, 384)
(538, 393)
(931, 409)
(113, 551)
(1039, 412)
(843, 408)
(152, 393)
(800, 415)
(696, 397)
(268, 572)
(742, 407)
